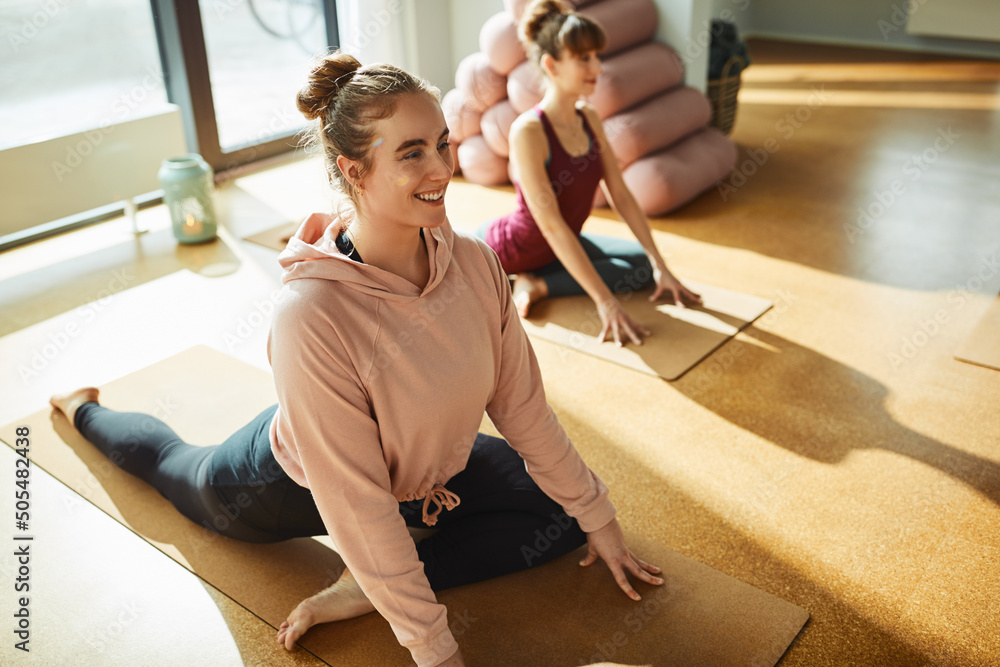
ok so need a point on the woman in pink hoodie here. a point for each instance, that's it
(392, 337)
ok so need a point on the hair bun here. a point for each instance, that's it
(538, 14)
(328, 76)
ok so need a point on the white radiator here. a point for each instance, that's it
(965, 19)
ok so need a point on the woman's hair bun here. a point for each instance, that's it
(537, 14)
(328, 76)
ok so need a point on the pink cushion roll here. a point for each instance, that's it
(483, 86)
(480, 164)
(516, 7)
(656, 123)
(626, 23)
(635, 75)
(664, 181)
(524, 86)
(462, 121)
(498, 40)
(496, 127)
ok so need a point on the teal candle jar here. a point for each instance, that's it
(187, 192)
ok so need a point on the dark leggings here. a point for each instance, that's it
(503, 524)
(622, 265)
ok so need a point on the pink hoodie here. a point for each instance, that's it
(382, 387)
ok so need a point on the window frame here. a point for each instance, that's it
(184, 58)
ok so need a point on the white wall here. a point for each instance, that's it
(467, 18)
(685, 26)
(428, 40)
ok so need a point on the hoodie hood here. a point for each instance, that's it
(312, 253)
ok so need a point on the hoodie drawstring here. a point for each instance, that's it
(443, 498)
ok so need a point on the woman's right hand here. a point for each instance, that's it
(615, 320)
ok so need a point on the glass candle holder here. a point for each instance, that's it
(187, 192)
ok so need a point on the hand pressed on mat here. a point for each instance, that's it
(608, 544)
(615, 321)
(667, 283)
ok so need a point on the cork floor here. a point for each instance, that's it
(835, 454)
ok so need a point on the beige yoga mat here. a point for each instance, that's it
(982, 347)
(681, 337)
(243, 212)
(557, 614)
(275, 238)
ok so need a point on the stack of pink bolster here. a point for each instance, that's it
(657, 127)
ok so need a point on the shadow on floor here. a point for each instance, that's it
(837, 631)
(819, 408)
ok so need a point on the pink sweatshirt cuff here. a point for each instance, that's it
(434, 650)
(596, 517)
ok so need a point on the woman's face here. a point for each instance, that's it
(411, 167)
(575, 73)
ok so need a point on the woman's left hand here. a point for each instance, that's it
(666, 282)
(608, 544)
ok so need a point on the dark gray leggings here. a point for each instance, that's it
(504, 523)
(622, 265)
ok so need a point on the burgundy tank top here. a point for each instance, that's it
(515, 237)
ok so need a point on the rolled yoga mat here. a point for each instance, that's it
(681, 337)
(558, 613)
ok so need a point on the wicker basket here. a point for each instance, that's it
(722, 94)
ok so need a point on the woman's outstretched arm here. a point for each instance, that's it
(625, 205)
(519, 410)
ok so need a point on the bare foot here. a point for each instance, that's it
(68, 403)
(341, 601)
(528, 289)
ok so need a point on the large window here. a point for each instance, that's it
(70, 66)
(239, 64)
(256, 50)
(231, 66)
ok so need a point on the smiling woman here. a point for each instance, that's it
(392, 337)
(388, 152)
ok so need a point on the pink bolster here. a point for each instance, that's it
(635, 75)
(483, 86)
(656, 123)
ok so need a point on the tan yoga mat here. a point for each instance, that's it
(275, 238)
(553, 615)
(681, 337)
(244, 212)
(982, 347)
